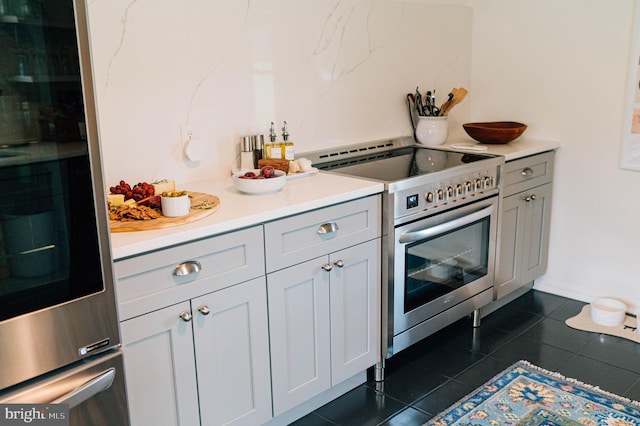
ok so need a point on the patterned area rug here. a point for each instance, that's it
(527, 395)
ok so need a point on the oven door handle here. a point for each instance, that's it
(94, 386)
(411, 237)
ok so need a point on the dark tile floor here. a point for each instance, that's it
(428, 377)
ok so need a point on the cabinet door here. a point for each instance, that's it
(536, 235)
(232, 355)
(355, 308)
(524, 240)
(299, 332)
(511, 241)
(160, 369)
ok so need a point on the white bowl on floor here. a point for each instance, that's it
(608, 312)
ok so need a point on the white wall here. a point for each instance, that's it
(561, 67)
(337, 71)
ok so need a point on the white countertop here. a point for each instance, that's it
(238, 210)
(521, 147)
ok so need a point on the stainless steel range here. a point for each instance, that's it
(440, 228)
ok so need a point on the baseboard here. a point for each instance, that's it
(548, 287)
(497, 304)
(318, 401)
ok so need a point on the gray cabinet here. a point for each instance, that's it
(323, 286)
(204, 360)
(231, 341)
(526, 210)
(160, 368)
(240, 328)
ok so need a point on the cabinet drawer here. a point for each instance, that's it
(302, 237)
(528, 172)
(148, 282)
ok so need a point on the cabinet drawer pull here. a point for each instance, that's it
(186, 268)
(339, 263)
(328, 228)
(204, 310)
(327, 267)
(528, 198)
(185, 316)
(527, 172)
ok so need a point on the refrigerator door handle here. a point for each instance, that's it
(88, 389)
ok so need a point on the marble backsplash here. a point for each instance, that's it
(337, 71)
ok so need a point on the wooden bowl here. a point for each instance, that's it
(495, 131)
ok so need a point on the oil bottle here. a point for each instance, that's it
(287, 145)
(274, 149)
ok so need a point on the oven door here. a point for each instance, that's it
(92, 391)
(443, 260)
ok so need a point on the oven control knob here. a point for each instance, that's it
(478, 184)
(468, 186)
(440, 195)
(459, 189)
(488, 181)
(450, 192)
(428, 197)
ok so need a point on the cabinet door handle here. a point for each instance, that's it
(339, 263)
(186, 268)
(527, 172)
(327, 267)
(328, 228)
(528, 198)
(204, 310)
(185, 316)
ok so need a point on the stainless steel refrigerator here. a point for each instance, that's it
(59, 338)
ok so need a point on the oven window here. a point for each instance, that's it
(446, 262)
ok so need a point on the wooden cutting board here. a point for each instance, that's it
(197, 198)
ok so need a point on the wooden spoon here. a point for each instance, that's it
(458, 96)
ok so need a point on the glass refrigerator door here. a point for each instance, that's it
(49, 250)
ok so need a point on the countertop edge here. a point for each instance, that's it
(239, 211)
(520, 148)
(129, 244)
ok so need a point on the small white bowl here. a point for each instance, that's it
(259, 186)
(175, 206)
(608, 312)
